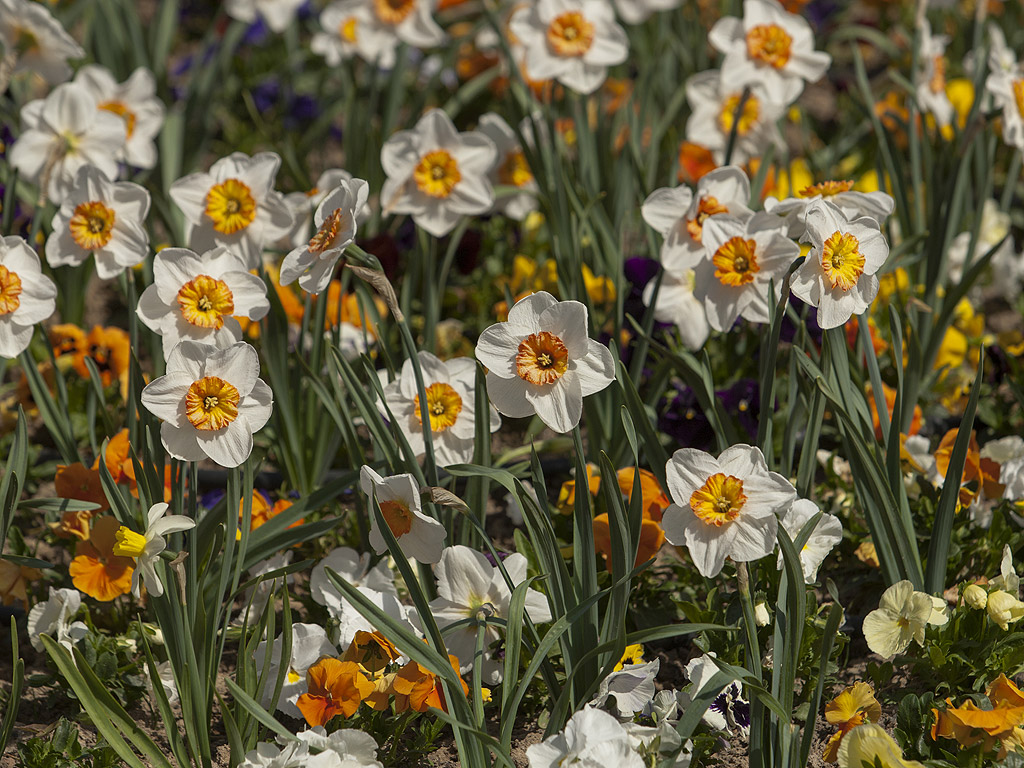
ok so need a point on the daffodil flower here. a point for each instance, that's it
(146, 547)
(27, 296)
(50, 46)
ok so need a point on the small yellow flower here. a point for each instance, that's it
(975, 597)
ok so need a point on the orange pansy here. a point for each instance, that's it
(335, 688)
(651, 539)
(77, 481)
(653, 498)
(14, 582)
(96, 570)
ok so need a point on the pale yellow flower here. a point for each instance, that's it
(1004, 608)
(901, 616)
(869, 744)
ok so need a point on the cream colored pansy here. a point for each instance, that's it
(542, 361)
(1004, 609)
(901, 617)
(37, 40)
(27, 296)
(101, 217)
(309, 643)
(197, 298)
(146, 547)
(312, 263)
(373, 29)
(677, 304)
(467, 586)
(743, 260)
(875, 205)
(234, 205)
(278, 14)
(769, 47)
(53, 617)
(211, 402)
(571, 41)
(930, 79)
(135, 102)
(828, 532)
(63, 132)
(511, 168)
(437, 174)
(718, 106)
(420, 537)
(838, 275)
(450, 387)
(679, 215)
(725, 507)
(354, 748)
(869, 744)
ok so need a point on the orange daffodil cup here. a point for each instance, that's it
(27, 296)
(373, 30)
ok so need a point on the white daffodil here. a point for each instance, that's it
(304, 204)
(1006, 265)
(901, 617)
(769, 47)
(312, 263)
(639, 11)
(309, 643)
(135, 102)
(571, 41)
(745, 259)
(146, 547)
(53, 617)
(373, 29)
(37, 40)
(718, 107)
(437, 174)
(450, 387)
(793, 210)
(724, 507)
(1007, 579)
(211, 401)
(591, 739)
(469, 587)
(197, 298)
(542, 361)
(930, 79)
(234, 205)
(62, 133)
(27, 296)
(838, 275)
(101, 217)
(278, 14)
(677, 304)
(510, 169)
(398, 496)
(632, 688)
(826, 534)
(679, 214)
(356, 748)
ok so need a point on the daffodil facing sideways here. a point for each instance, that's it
(27, 296)
(373, 30)
(827, 532)
(37, 40)
(876, 205)
(436, 174)
(398, 497)
(198, 298)
(277, 14)
(511, 169)
(211, 402)
(725, 507)
(675, 302)
(146, 547)
(541, 361)
(901, 617)
(102, 218)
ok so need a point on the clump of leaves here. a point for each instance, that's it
(63, 750)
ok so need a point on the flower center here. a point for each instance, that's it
(842, 260)
(770, 44)
(719, 500)
(747, 117)
(10, 291)
(347, 29)
(736, 261)
(128, 543)
(211, 403)
(708, 206)
(437, 174)
(570, 34)
(205, 300)
(92, 225)
(121, 110)
(397, 515)
(443, 404)
(938, 82)
(515, 171)
(231, 206)
(542, 358)
(1018, 96)
(324, 237)
(25, 41)
(826, 189)
(392, 11)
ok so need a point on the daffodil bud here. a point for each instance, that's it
(761, 616)
(975, 597)
(1004, 608)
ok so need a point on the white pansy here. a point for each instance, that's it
(717, 106)
(826, 534)
(256, 598)
(27, 296)
(357, 749)
(53, 617)
(511, 168)
(591, 739)
(309, 643)
(632, 688)
(146, 547)
(677, 304)
(278, 14)
(729, 711)
(38, 41)
(398, 496)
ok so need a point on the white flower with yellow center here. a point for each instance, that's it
(543, 362)
(146, 547)
(901, 617)
(197, 298)
(37, 40)
(875, 205)
(725, 507)
(234, 205)
(744, 258)
(437, 174)
(718, 106)
(211, 402)
(62, 133)
(1007, 91)
(373, 29)
(451, 405)
(571, 41)
(420, 537)
(135, 102)
(511, 169)
(930, 79)
(104, 218)
(828, 532)
(309, 643)
(27, 296)
(679, 215)
(313, 262)
(677, 304)
(838, 275)
(278, 14)
(469, 587)
(770, 47)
